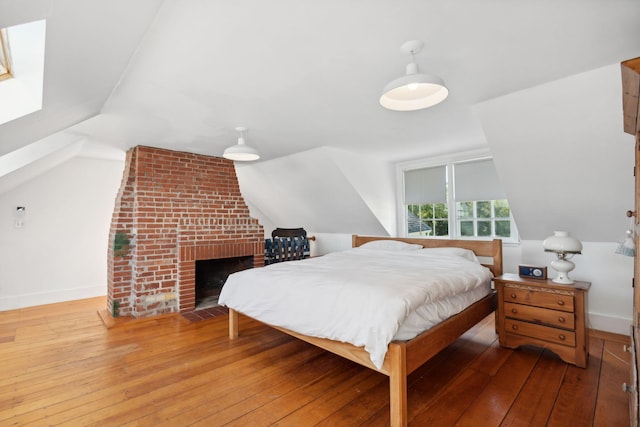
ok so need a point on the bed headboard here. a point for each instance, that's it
(482, 248)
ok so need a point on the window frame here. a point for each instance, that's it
(5, 56)
(448, 161)
(493, 219)
(24, 93)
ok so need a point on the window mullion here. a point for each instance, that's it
(474, 210)
(493, 219)
(451, 204)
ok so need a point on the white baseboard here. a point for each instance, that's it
(13, 302)
(607, 323)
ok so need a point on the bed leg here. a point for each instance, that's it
(233, 324)
(398, 385)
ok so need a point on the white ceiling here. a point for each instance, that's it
(305, 78)
(300, 74)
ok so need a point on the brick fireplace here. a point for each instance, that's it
(173, 209)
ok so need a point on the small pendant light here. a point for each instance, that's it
(241, 152)
(415, 90)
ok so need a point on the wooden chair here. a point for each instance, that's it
(286, 244)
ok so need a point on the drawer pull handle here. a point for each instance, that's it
(513, 296)
(560, 302)
(514, 310)
(562, 337)
(561, 319)
(514, 327)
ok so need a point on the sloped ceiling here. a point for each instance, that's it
(303, 74)
(324, 190)
(88, 46)
(574, 165)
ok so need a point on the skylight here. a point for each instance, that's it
(5, 58)
(22, 58)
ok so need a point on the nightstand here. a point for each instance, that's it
(545, 314)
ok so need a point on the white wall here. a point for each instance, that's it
(373, 179)
(329, 242)
(315, 191)
(61, 252)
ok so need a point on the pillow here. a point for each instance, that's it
(452, 251)
(391, 245)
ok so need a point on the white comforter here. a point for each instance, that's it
(360, 296)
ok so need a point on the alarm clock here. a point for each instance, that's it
(532, 271)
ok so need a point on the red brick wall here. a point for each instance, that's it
(174, 208)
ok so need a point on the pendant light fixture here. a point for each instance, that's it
(413, 91)
(241, 151)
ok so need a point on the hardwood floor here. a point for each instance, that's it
(59, 365)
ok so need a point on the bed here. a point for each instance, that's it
(377, 350)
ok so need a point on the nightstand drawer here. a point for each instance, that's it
(545, 333)
(530, 313)
(539, 299)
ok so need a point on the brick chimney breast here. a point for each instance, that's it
(172, 209)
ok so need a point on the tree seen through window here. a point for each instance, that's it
(485, 218)
(432, 220)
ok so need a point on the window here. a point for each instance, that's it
(484, 218)
(462, 199)
(430, 219)
(5, 59)
(22, 50)
(426, 199)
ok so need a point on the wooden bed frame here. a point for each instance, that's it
(403, 357)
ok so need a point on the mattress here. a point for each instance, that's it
(366, 296)
(429, 315)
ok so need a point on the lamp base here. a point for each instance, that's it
(563, 279)
(563, 267)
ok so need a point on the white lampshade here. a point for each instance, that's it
(561, 242)
(241, 151)
(562, 245)
(415, 90)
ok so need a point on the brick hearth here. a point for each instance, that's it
(172, 209)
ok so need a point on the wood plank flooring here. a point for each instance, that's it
(59, 365)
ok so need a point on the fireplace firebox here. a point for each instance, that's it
(211, 275)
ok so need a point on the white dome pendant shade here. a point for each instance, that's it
(241, 152)
(415, 90)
